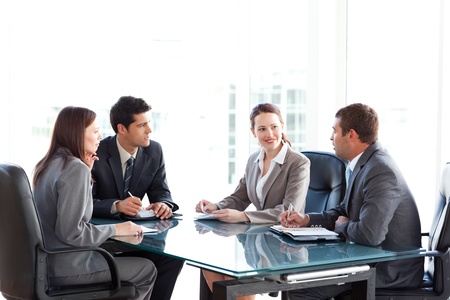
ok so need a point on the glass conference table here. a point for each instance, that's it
(262, 261)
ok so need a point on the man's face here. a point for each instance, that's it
(340, 143)
(138, 133)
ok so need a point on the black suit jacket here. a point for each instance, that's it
(149, 176)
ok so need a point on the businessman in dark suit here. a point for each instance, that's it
(120, 185)
(378, 208)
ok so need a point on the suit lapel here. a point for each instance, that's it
(277, 168)
(359, 166)
(141, 161)
(270, 180)
(116, 165)
(252, 181)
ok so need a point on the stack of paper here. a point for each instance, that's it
(306, 233)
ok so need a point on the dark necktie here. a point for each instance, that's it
(127, 177)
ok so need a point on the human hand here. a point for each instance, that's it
(202, 229)
(129, 206)
(162, 210)
(90, 158)
(161, 225)
(131, 239)
(230, 216)
(231, 229)
(294, 219)
(297, 253)
(127, 229)
(341, 220)
(206, 207)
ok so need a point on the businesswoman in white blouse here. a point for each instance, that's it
(275, 177)
(62, 190)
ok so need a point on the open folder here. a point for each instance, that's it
(307, 234)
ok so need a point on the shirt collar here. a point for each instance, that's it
(124, 155)
(354, 161)
(280, 156)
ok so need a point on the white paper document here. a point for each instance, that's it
(145, 213)
(306, 233)
(205, 216)
(304, 230)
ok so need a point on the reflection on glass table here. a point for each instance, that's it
(245, 250)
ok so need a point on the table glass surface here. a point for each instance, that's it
(246, 250)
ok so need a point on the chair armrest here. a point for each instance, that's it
(436, 253)
(42, 276)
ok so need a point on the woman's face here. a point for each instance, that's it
(92, 138)
(268, 130)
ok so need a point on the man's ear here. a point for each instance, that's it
(353, 135)
(121, 129)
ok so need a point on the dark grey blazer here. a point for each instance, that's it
(149, 176)
(382, 212)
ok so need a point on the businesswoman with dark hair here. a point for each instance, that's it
(62, 190)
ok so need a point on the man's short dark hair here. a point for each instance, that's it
(123, 111)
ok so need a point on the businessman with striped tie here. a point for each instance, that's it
(131, 166)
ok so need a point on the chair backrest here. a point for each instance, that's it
(20, 233)
(327, 181)
(439, 236)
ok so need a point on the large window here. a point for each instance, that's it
(395, 64)
(204, 64)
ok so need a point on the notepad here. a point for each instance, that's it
(306, 233)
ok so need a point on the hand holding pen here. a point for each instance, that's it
(291, 218)
(129, 206)
(290, 209)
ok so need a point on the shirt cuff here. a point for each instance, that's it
(168, 204)
(113, 207)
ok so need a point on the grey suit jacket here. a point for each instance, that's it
(382, 212)
(149, 176)
(288, 183)
(64, 202)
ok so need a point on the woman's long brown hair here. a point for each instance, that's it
(68, 135)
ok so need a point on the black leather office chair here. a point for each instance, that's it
(326, 185)
(436, 283)
(23, 255)
(327, 181)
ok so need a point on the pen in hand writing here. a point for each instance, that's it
(131, 195)
(290, 208)
(202, 207)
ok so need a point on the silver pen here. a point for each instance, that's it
(290, 209)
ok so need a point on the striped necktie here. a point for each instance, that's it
(127, 177)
